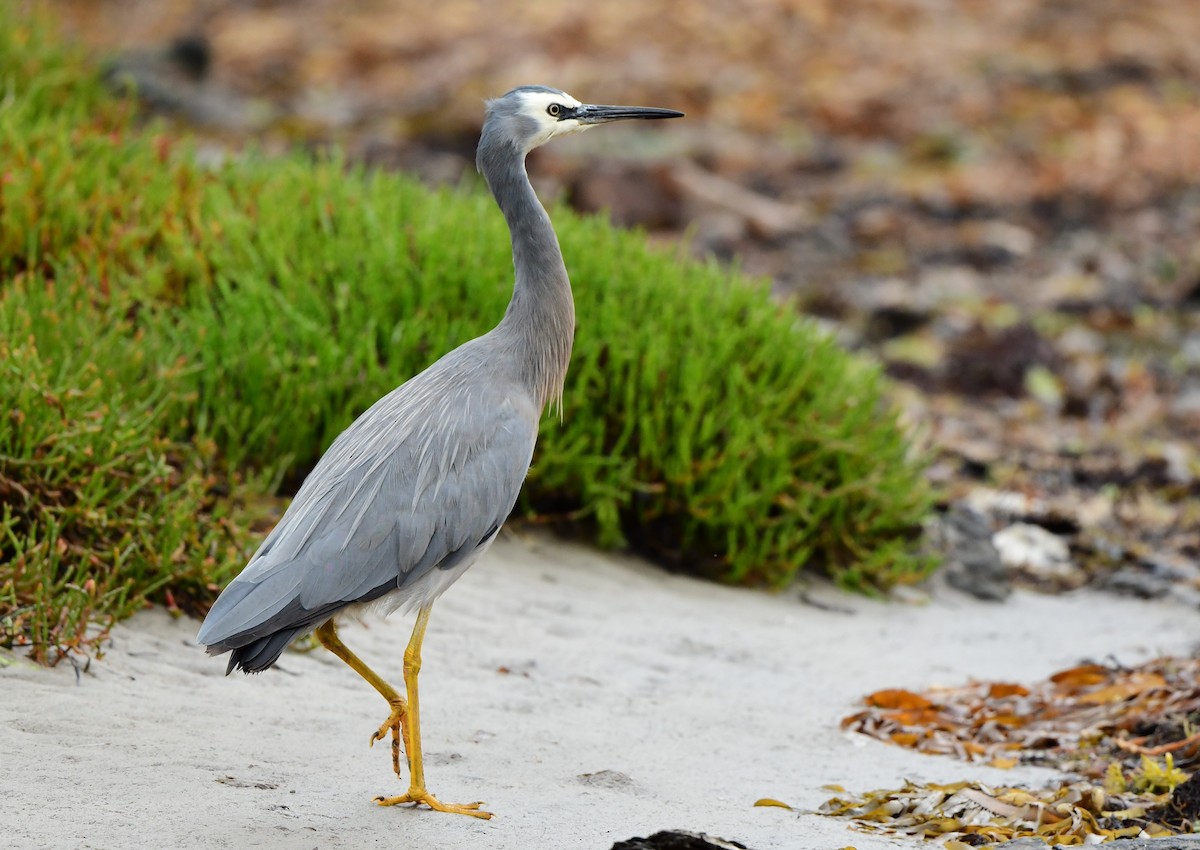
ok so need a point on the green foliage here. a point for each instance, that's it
(165, 322)
(700, 421)
(98, 511)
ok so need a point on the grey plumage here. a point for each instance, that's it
(418, 486)
(422, 480)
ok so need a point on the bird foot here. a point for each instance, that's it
(394, 724)
(422, 797)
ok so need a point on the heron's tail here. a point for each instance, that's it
(259, 654)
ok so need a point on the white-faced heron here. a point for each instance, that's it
(416, 489)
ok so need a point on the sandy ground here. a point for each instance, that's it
(586, 698)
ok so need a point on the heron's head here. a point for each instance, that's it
(530, 116)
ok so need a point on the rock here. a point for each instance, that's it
(1023, 844)
(1133, 582)
(1175, 842)
(1036, 551)
(678, 840)
(972, 563)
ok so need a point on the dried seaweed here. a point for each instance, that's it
(1129, 731)
(966, 814)
(1080, 719)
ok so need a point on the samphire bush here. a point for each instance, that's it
(169, 332)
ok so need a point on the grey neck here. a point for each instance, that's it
(539, 324)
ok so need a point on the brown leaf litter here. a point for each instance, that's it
(1080, 719)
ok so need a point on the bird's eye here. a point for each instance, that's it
(554, 110)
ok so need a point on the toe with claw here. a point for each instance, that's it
(422, 797)
(394, 724)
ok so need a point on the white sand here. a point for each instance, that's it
(683, 700)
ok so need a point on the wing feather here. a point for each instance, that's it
(423, 479)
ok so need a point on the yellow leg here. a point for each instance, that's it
(417, 793)
(328, 636)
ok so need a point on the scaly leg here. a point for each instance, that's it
(417, 793)
(328, 636)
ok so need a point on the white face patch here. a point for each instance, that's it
(536, 105)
